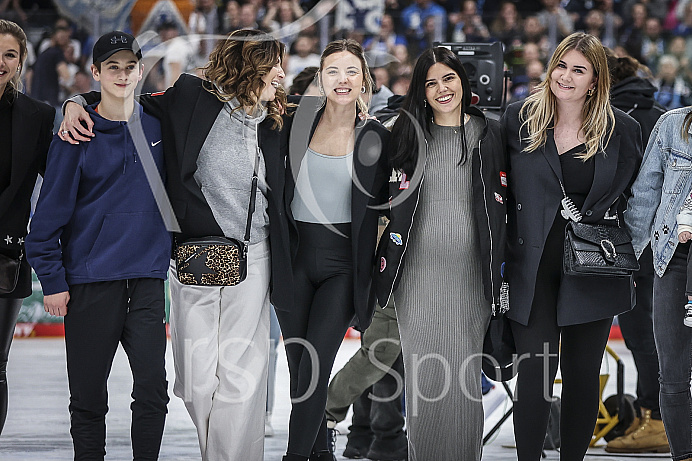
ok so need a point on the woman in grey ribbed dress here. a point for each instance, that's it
(440, 305)
(445, 290)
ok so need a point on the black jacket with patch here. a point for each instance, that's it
(489, 184)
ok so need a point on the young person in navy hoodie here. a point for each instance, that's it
(101, 251)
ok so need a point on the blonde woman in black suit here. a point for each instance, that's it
(25, 131)
(567, 135)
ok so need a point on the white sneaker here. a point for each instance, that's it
(688, 315)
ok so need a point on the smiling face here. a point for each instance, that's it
(9, 59)
(119, 74)
(271, 82)
(444, 94)
(572, 77)
(342, 78)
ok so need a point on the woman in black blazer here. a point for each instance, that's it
(336, 177)
(565, 134)
(211, 129)
(26, 131)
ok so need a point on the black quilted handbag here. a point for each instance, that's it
(592, 249)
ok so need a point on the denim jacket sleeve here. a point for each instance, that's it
(646, 193)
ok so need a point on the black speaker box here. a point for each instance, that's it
(484, 65)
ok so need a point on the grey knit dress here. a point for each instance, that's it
(441, 309)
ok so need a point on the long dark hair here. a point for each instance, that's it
(415, 112)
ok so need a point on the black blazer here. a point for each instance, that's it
(32, 131)
(533, 202)
(187, 112)
(370, 173)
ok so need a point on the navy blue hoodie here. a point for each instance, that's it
(96, 218)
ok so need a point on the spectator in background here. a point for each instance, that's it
(402, 64)
(206, 19)
(231, 17)
(635, 96)
(304, 83)
(491, 8)
(386, 39)
(523, 85)
(653, 45)
(260, 9)
(677, 46)
(611, 23)
(381, 77)
(50, 69)
(532, 52)
(556, 22)
(400, 84)
(684, 28)
(248, 16)
(534, 32)
(81, 83)
(507, 25)
(428, 38)
(303, 55)
(467, 25)
(281, 20)
(594, 23)
(655, 8)
(633, 34)
(673, 92)
(413, 19)
(178, 55)
(380, 92)
(12, 11)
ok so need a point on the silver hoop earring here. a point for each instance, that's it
(362, 89)
(590, 92)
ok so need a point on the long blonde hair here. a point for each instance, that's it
(236, 67)
(13, 29)
(539, 112)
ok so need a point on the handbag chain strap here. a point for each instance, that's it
(570, 211)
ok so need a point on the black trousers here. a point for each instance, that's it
(99, 317)
(581, 353)
(314, 329)
(378, 421)
(637, 328)
(9, 309)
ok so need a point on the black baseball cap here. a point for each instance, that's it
(115, 41)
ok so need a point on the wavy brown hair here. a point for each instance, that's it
(13, 29)
(353, 47)
(539, 112)
(237, 65)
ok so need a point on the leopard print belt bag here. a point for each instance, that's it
(211, 261)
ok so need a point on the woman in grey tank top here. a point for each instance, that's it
(337, 173)
(451, 179)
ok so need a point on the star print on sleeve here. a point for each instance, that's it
(20, 240)
(8, 240)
